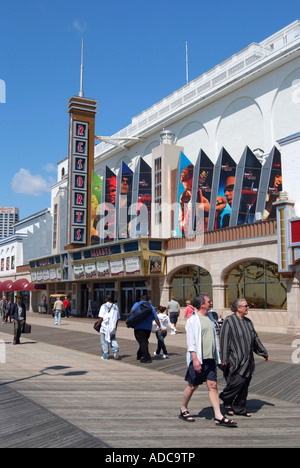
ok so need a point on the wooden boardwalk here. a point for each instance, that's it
(55, 391)
(277, 379)
(25, 424)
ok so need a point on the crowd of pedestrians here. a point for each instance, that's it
(211, 342)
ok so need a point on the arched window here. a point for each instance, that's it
(190, 281)
(259, 282)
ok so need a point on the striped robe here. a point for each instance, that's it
(238, 341)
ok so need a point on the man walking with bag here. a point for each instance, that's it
(19, 317)
(143, 329)
(4, 309)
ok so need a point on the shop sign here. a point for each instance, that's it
(117, 267)
(132, 266)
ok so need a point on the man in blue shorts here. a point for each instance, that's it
(202, 357)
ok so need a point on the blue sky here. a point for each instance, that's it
(134, 55)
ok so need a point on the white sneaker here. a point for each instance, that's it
(165, 356)
(116, 355)
(154, 354)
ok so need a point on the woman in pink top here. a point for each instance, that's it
(188, 310)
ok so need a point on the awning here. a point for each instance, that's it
(19, 285)
(22, 285)
(6, 286)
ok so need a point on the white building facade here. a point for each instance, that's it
(246, 107)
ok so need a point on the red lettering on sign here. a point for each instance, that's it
(79, 199)
(81, 130)
(79, 216)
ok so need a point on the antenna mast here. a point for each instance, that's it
(81, 71)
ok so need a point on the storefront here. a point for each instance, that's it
(125, 270)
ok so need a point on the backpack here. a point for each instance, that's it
(142, 311)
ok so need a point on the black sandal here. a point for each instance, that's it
(244, 413)
(185, 415)
(225, 422)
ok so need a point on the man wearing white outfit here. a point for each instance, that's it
(109, 316)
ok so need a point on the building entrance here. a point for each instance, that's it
(131, 292)
(101, 290)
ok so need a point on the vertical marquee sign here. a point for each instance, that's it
(81, 165)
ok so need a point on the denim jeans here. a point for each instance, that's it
(105, 345)
(161, 342)
(57, 316)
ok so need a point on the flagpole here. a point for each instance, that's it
(186, 63)
(81, 71)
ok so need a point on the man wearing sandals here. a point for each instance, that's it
(238, 341)
(202, 357)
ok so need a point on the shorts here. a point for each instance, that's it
(173, 317)
(208, 372)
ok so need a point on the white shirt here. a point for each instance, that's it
(194, 339)
(110, 315)
(164, 322)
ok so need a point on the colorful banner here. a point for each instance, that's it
(202, 191)
(274, 187)
(248, 176)
(143, 221)
(96, 201)
(223, 188)
(184, 196)
(109, 228)
(124, 200)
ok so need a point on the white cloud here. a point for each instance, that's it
(25, 183)
(50, 167)
(79, 26)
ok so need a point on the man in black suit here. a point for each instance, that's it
(19, 316)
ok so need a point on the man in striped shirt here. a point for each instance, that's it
(238, 341)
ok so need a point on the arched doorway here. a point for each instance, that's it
(259, 282)
(189, 281)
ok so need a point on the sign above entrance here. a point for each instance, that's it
(81, 163)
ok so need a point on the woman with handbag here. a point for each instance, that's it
(162, 332)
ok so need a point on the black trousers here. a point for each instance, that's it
(235, 393)
(142, 337)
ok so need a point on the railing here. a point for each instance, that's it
(245, 231)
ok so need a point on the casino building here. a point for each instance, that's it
(199, 193)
